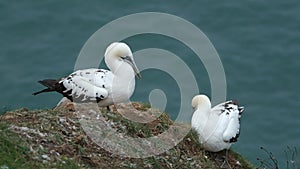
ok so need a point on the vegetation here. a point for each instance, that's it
(271, 162)
(56, 139)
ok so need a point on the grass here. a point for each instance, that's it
(27, 135)
(12, 152)
(15, 153)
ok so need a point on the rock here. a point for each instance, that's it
(45, 157)
(4, 167)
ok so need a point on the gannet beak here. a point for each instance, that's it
(133, 65)
(139, 76)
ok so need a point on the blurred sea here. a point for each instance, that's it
(257, 41)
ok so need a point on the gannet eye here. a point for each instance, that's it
(126, 58)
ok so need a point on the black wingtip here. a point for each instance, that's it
(36, 93)
(50, 83)
(40, 82)
(241, 110)
(42, 91)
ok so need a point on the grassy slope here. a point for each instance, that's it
(55, 139)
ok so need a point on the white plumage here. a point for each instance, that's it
(104, 86)
(218, 127)
(88, 84)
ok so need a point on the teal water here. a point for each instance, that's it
(258, 43)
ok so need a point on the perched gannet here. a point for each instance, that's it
(99, 85)
(218, 127)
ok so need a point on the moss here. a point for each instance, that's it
(241, 159)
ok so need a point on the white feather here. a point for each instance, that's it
(217, 127)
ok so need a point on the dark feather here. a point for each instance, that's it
(235, 138)
(54, 85)
(42, 91)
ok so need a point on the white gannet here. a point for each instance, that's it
(100, 85)
(218, 127)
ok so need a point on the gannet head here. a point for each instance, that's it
(201, 101)
(119, 52)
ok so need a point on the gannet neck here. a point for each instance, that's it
(120, 68)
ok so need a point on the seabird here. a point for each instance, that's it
(218, 127)
(105, 87)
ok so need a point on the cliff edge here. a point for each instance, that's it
(55, 138)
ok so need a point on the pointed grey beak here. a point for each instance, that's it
(133, 65)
